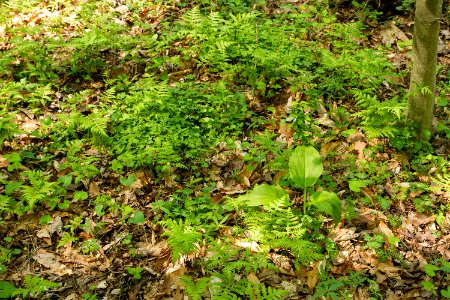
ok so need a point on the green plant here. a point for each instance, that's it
(88, 296)
(66, 239)
(34, 286)
(6, 254)
(183, 237)
(135, 272)
(305, 167)
(335, 289)
(90, 246)
(440, 269)
(379, 119)
(7, 126)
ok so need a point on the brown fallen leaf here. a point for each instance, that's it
(359, 146)
(253, 246)
(313, 276)
(253, 278)
(3, 162)
(384, 229)
(50, 261)
(171, 279)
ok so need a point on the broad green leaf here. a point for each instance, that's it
(265, 195)
(80, 195)
(98, 209)
(137, 218)
(65, 180)
(429, 286)
(445, 266)
(305, 167)
(6, 289)
(328, 203)
(356, 185)
(128, 181)
(45, 219)
(429, 269)
(12, 186)
(446, 293)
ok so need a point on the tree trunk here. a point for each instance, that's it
(424, 60)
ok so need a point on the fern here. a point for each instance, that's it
(443, 182)
(34, 286)
(183, 238)
(40, 189)
(7, 126)
(260, 291)
(379, 119)
(304, 251)
(195, 289)
(66, 239)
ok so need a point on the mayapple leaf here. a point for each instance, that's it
(265, 195)
(328, 203)
(305, 166)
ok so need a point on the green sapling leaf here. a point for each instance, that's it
(80, 195)
(446, 293)
(429, 269)
(6, 289)
(65, 180)
(305, 166)
(128, 181)
(328, 203)
(265, 195)
(137, 218)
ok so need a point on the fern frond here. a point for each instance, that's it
(443, 181)
(183, 238)
(304, 251)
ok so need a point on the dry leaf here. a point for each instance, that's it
(253, 246)
(253, 278)
(313, 277)
(360, 146)
(3, 162)
(50, 261)
(157, 250)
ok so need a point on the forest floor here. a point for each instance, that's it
(135, 135)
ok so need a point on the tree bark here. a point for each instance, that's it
(424, 60)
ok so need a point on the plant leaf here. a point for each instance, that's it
(6, 289)
(328, 203)
(429, 269)
(446, 293)
(137, 218)
(265, 195)
(305, 166)
(356, 185)
(127, 181)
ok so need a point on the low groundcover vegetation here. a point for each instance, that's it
(218, 150)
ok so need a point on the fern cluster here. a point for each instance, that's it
(379, 119)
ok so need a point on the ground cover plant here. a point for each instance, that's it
(218, 150)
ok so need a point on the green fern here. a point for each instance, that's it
(443, 182)
(379, 119)
(195, 289)
(8, 128)
(183, 238)
(40, 189)
(66, 239)
(304, 251)
(34, 286)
